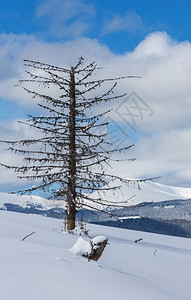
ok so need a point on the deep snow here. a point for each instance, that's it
(42, 267)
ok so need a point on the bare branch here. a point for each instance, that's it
(28, 235)
(68, 151)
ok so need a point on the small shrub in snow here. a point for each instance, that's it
(80, 228)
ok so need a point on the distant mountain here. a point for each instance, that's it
(32, 205)
(170, 212)
(181, 228)
(25, 201)
(149, 192)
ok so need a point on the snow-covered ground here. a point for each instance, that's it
(43, 268)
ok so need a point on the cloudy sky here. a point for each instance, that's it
(150, 39)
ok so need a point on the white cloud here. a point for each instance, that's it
(65, 18)
(165, 68)
(168, 154)
(12, 131)
(163, 139)
(15, 48)
(167, 145)
(130, 22)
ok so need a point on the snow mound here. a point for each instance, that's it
(81, 246)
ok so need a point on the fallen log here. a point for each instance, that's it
(98, 245)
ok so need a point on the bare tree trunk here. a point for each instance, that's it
(71, 214)
(71, 196)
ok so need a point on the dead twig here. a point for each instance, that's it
(138, 240)
(28, 236)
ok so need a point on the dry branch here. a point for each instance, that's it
(28, 235)
(69, 149)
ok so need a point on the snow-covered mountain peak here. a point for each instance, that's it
(149, 192)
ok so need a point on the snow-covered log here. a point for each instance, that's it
(97, 246)
(92, 249)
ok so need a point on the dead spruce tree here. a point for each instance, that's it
(68, 151)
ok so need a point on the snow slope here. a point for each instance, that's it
(43, 267)
(150, 191)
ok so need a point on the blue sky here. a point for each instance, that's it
(151, 39)
(171, 15)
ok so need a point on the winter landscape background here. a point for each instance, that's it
(149, 39)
